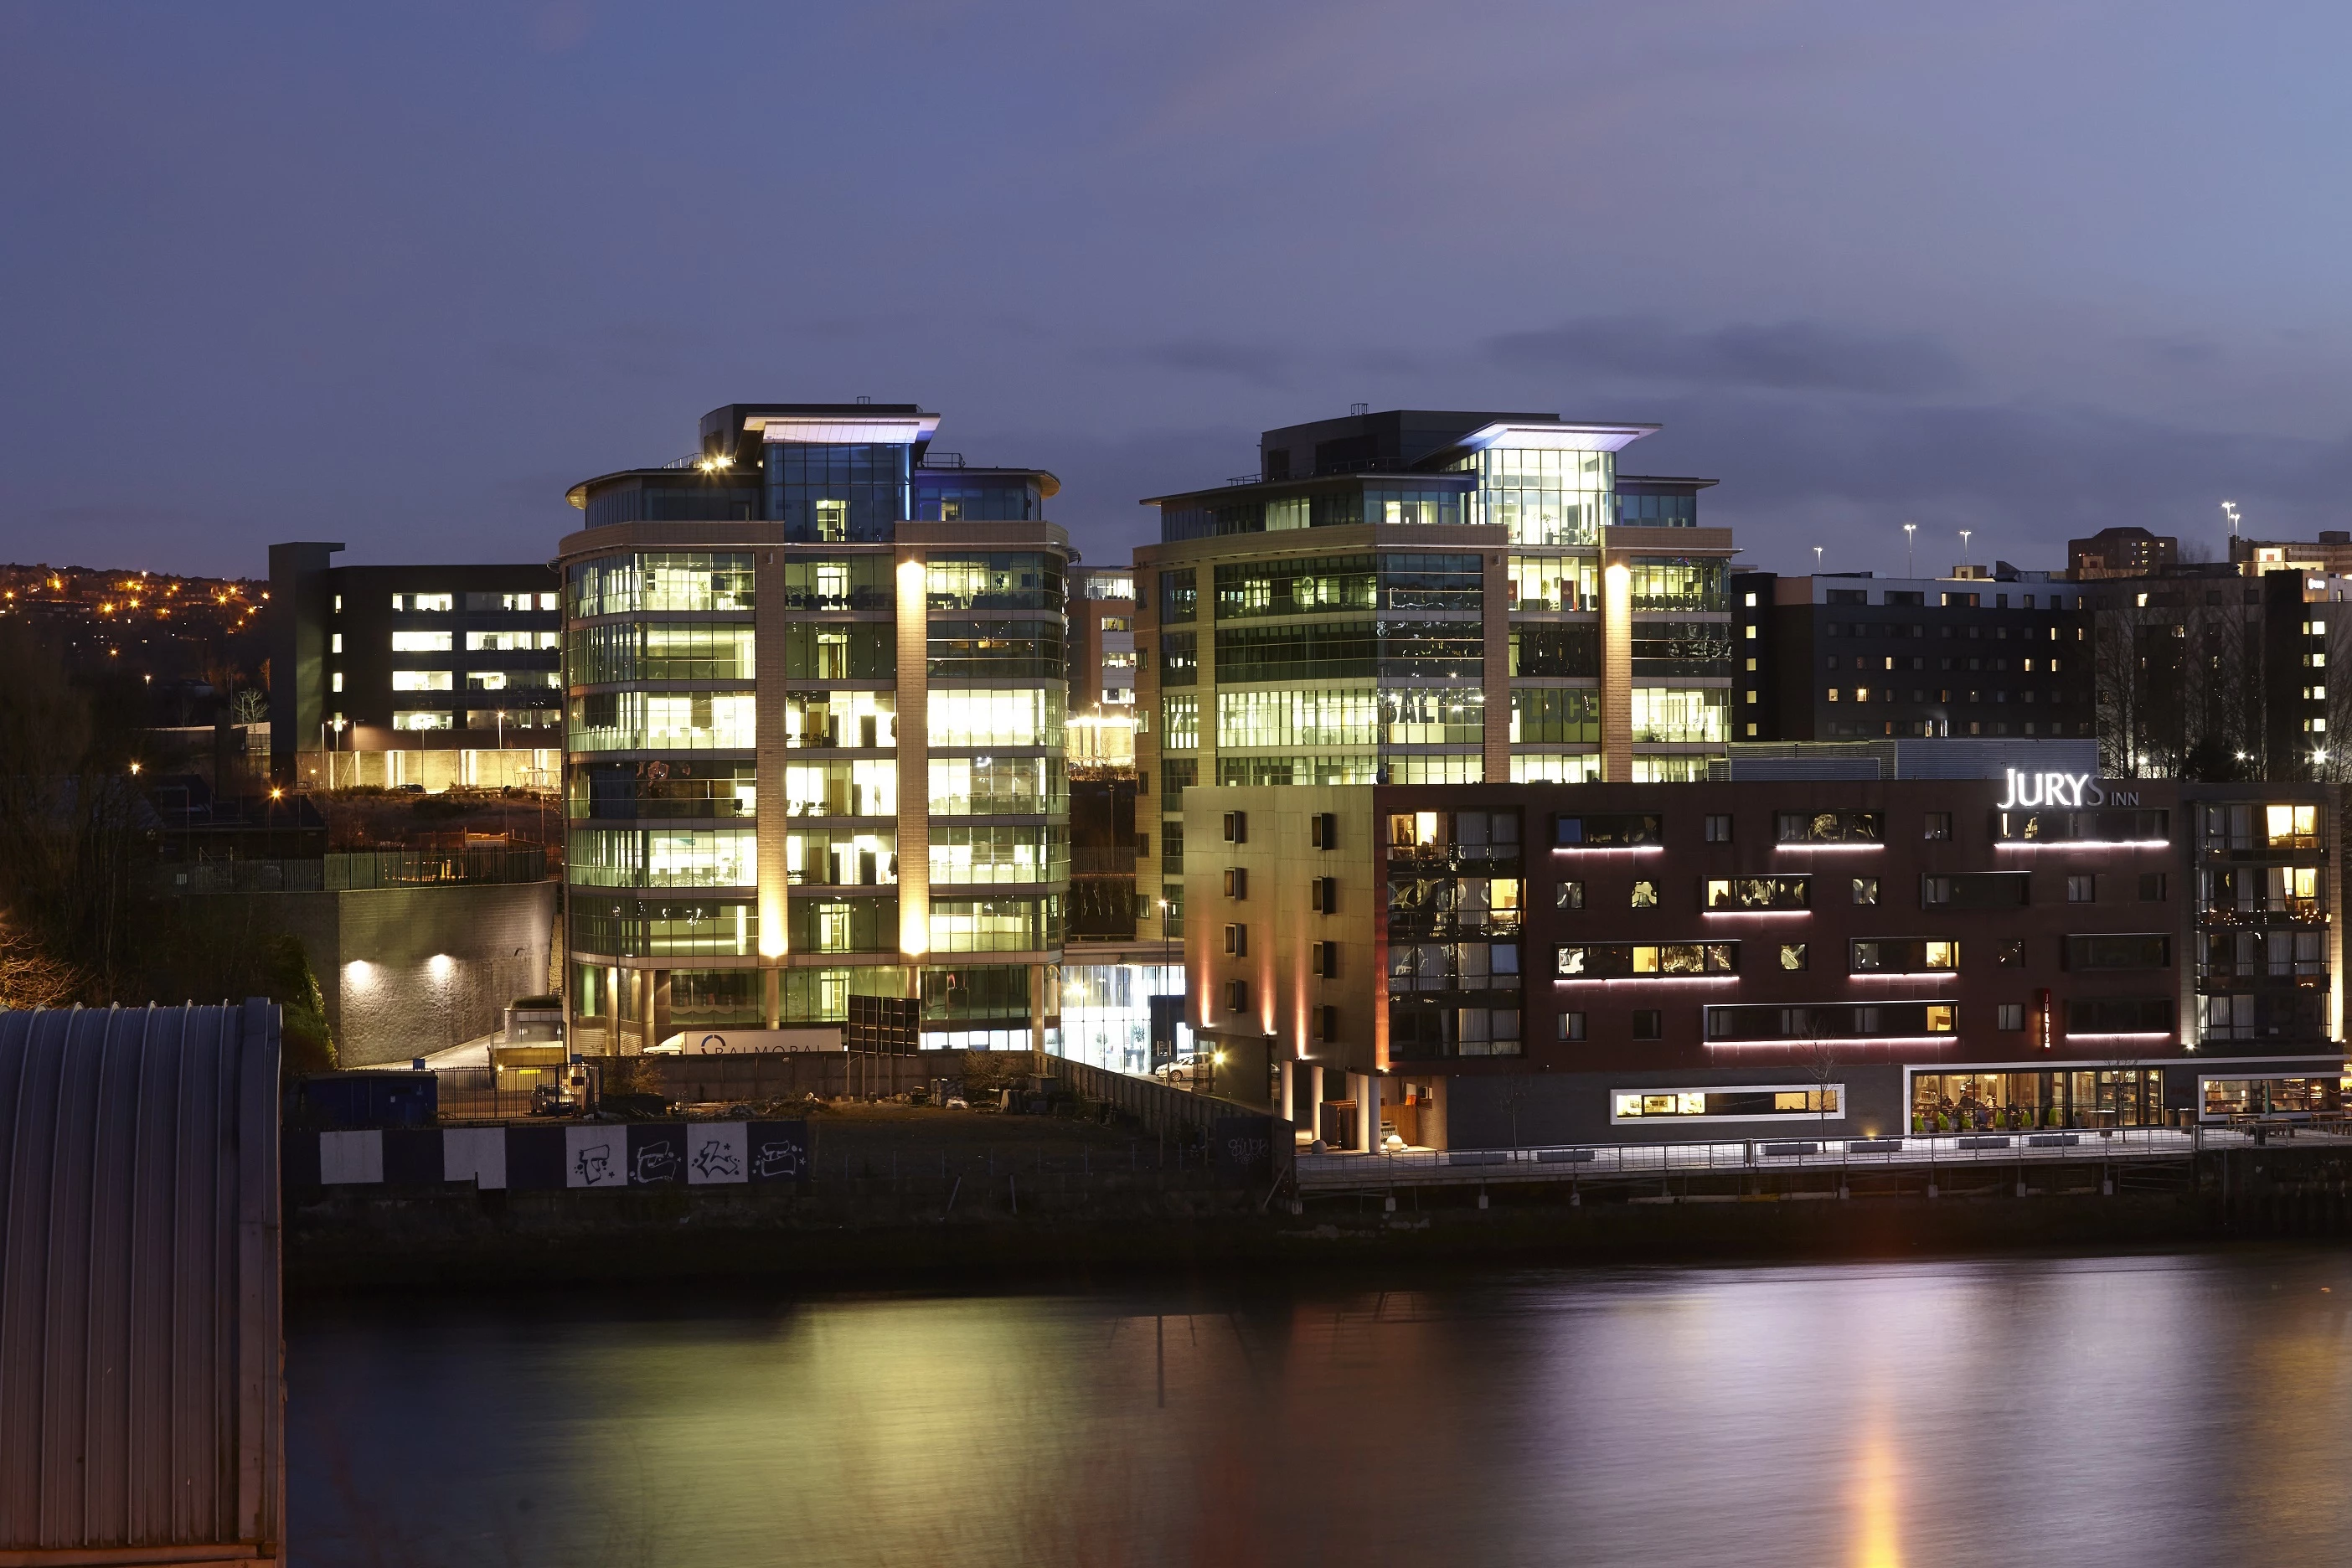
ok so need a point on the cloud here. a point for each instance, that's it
(1802, 356)
(1256, 363)
(1801, 469)
(561, 26)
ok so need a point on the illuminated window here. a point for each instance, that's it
(1904, 955)
(1761, 893)
(1744, 1103)
(1027, 717)
(421, 680)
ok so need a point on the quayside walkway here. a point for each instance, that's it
(1961, 1155)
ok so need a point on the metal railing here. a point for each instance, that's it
(344, 872)
(1155, 1104)
(414, 867)
(491, 1094)
(1795, 1150)
(243, 877)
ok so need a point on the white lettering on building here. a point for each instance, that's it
(2027, 791)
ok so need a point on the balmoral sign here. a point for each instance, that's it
(2029, 790)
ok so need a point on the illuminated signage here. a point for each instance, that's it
(2029, 790)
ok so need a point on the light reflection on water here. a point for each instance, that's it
(2146, 1410)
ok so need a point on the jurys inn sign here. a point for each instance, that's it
(2029, 790)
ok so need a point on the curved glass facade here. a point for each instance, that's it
(685, 580)
(662, 722)
(1543, 496)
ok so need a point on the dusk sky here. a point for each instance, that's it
(398, 275)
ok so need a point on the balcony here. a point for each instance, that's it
(2270, 912)
(2224, 977)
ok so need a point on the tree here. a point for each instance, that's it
(69, 812)
(1516, 1088)
(31, 977)
(2212, 760)
(308, 1046)
(1822, 1067)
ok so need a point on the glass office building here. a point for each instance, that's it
(1421, 596)
(814, 678)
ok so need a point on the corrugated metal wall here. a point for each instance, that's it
(142, 1399)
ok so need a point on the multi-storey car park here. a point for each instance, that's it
(815, 678)
(1424, 597)
(1487, 966)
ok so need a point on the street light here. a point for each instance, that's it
(1909, 531)
(1964, 544)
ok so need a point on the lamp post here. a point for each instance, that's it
(1910, 530)
(1964, 545)
(1168, 962)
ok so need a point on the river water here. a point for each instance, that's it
(2183, 1408)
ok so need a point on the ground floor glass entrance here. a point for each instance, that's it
(2005, 1102)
